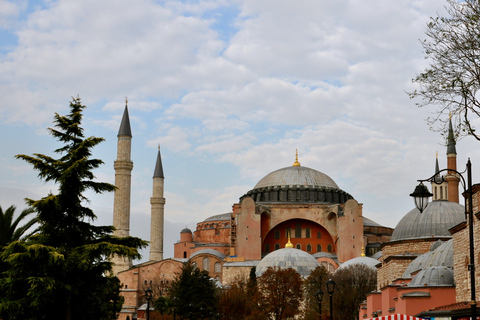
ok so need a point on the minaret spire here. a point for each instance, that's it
(296, 163)
(451, 177)
(123, 175)
(157, 202)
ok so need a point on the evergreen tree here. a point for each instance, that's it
(64, 272)
(194, 293)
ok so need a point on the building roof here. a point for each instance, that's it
(208, 251)
(186, 230)
(434, 221)
(158, 173)
(301, 261)
(220, 217)
(369, 262)
(440, 256)
(433, 277)
(296, 176)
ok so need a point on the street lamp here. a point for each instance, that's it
(330, 290)
(148, 296)
(421, 195)
(319, 299)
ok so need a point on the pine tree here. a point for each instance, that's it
(64, 272)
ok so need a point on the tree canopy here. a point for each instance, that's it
(10, 228)
(452, 80)
(64, 271)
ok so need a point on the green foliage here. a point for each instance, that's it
(194, 292)
(452, 80)
(63, 271)
(316, 281)
(10, 229)
(280, 293)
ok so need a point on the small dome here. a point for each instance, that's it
(369, 262)
(301, 261)
(433, 277)
(434, 221)
(296, 176)
(186, 230)
(442, 256)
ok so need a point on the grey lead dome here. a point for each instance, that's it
(296, 176)
(433, 222)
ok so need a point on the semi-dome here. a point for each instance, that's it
(433, 222)
(301, 261)
(441, 256)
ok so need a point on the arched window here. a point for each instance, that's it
(298, 230)
(218, 267)
(267, 247)
(309, 248)
(298, 246)
(277, 234)
(319, 235)
(307, 233)
(329, 247)
(185, 254)
(319, 248)
(206, 264)
(277, 246)
(441, 192)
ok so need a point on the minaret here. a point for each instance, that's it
(439, 186)
(123, 175)
(157, 202)
(452, 177)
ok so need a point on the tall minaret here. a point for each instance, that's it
(157, 202)
(123, 175)
(452, 177)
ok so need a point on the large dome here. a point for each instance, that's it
(433, 222)
(301, 261)
(296, 176)
(297, 184)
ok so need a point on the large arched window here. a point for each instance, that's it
(277, 246)
(206, 264)
(319, 248)
(307, 232)
(267, 247)
(319, 235)
(309, 248)
(329, 247)
(298, 246)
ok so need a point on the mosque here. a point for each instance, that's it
(323, 225)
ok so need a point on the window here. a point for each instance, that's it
(218, 267)
(441, 192)
(319, 248)
(267, 247)
(319, 235)
(309, 248)
(277, 234)
(329, 247)
(307, 233)
(277, 246)
(185, 254)
(287, 232)
(298, 246)
(298, 230)
(206, 264)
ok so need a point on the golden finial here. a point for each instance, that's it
(126, 100)
(289, 244)
(296, 163)
(363, 251)
(450, 115)
(159, 147)
(437, 154)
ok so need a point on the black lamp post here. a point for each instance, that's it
(319, 299)
(421, 195)
(330, 290)
(174, 301)
(148, 296)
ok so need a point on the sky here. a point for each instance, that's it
(229, 90)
